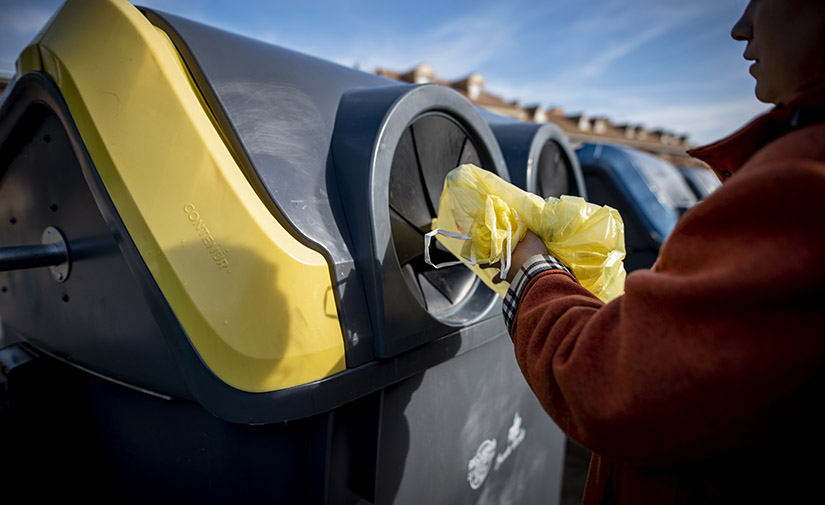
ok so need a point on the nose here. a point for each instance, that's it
(743, 29)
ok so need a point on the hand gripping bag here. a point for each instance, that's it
(481, 219)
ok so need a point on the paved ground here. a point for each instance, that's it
(576, 461)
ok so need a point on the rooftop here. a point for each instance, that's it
(579, 127)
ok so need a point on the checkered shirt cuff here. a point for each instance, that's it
(529, 270)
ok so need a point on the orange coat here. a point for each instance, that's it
(703, 382)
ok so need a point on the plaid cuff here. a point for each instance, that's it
(529, 270)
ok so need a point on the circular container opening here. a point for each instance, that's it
(430, 147)
(554, 169)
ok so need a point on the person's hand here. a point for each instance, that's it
(530, 245)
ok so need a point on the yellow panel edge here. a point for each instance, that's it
(252, 299)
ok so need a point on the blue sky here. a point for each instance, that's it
(660, 63)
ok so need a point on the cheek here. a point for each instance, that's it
(788, 66)
(791, 42)
(779, 70)
(810, 62)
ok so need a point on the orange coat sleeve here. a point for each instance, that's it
(709, 350)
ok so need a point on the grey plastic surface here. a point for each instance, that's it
(376, 431)
(277, 108)
(465, 432)
(368, 120)
(138, 354)
(131, 342)
(284, 111)
(97, 316)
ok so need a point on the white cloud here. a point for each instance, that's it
(597, 64)
(601, 36)
(566, 53)
(599, 76)
(704, 123)
(703, 117)
(455, 47)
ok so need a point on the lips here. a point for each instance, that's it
(753, 68)
(748, 54)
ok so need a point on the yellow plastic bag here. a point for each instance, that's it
(481, 219)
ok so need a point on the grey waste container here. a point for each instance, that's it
(105, 376)
(539, 157)
(649, 193)
(702, 181)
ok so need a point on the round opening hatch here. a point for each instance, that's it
(553, 177)
(429, 148)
